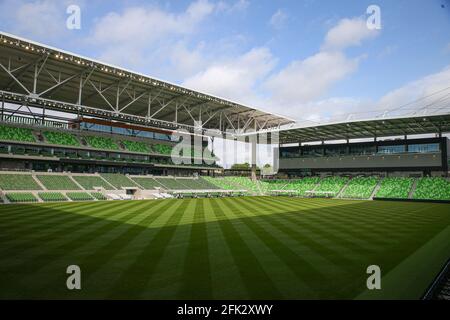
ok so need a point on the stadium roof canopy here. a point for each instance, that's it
(382, 127)
(36, 75)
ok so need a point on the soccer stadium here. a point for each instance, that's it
(91, 176)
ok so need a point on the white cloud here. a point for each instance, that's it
(142, 34)
(304, 81)
(291, 91)
(40, 19)
(430, 91)
(237, 78)
(278, 19)
(308, 79)
(348, 32)
(139, 24)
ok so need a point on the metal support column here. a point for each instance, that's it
(253, 142)
(3, 106)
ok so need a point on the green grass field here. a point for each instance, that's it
(230, 248)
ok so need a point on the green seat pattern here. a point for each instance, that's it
(91, 182)
(221, 183)
(18, 182)
(98, 195)
(16, 134)
(432, 188)
(395, 188)
(147, 183)
(102, 143)
(244, 183)
(118, 180)
(171, 183)
(79, 196)
(360, 188)
(136, 146)
(61, 138)
(162, 149)
(57, 182)
(331, 185)
(303, 185)
(52, 196)
(21, 197)
(270, 185)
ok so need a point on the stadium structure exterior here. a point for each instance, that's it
(65, 112)
(108, 119)
(314, 151)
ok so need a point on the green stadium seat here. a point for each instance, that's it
(330, 186)
(221, 183)
(52, 196)
(162, 149)
(57, 182)
(360, 188)
(118, 180)
(18, 182)
(244, 183)
(432, 188)
(147, 183)
(303, 185)
(102, 143)
(79, 196)
(98, 195)
(171, 184)
(91, 182)
(61, 138)
(15, 197)
(395, 188)
(16, 134)
(136, 146)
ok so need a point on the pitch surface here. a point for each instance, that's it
(230, 248)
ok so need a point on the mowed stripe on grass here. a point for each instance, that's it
(250, 247)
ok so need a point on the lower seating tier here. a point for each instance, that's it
(98, 195)
(92, 182)
(52, 196)
(395, 188)
(79, 196)
(434, 188)
(360, 188)
(118, 180)
(330, 186)
(15, 197)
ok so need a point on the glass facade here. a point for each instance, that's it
(124, 131)
(392, 149)
(312, 152)
(362, 150)
(336, 150)
(290, 153)
(423, 148)
(356, 149)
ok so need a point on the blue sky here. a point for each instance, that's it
(304, 59)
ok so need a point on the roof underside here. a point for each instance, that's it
(38, 75)
(367, 129)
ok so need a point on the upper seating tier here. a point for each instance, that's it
(61, 138)
(16, 134)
